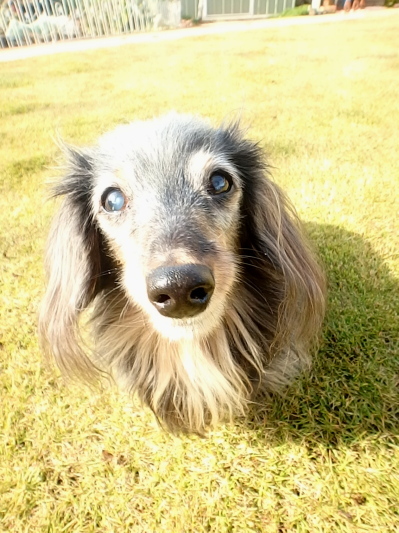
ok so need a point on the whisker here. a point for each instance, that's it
(105, 273)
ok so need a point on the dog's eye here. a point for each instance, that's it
(220, 183)
(113, 200)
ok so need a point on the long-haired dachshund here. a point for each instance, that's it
(202, 289)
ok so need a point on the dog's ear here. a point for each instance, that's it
(279, 264)
(75, 262)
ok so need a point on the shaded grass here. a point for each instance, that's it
(323, 101)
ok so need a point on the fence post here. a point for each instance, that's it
(251, 7)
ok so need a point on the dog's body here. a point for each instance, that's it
(202, 288)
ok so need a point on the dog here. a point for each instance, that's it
(190, 266)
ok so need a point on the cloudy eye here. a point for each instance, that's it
(220, 183)
(113, 200)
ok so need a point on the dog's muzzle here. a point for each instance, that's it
(180, 291)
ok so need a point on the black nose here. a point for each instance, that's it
(180, 291)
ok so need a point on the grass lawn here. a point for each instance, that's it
(324, 101)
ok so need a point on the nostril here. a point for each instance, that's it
(199, 295)
(162, 299)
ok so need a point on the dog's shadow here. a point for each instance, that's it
(352, 390)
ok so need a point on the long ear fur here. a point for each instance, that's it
(279, 269)
(75, 264)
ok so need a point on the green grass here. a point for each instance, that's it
(298, 11)
(323, 100)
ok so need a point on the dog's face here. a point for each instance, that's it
(168, 204)
(201, 285)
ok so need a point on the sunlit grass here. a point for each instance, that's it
(323, 100)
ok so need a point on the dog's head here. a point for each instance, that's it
(166, 197)
(175, 226)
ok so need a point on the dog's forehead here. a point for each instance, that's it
(158, 139)
(172, 150)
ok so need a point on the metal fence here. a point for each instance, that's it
(241, 9)
(25, 22)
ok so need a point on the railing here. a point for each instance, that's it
(25, 22)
